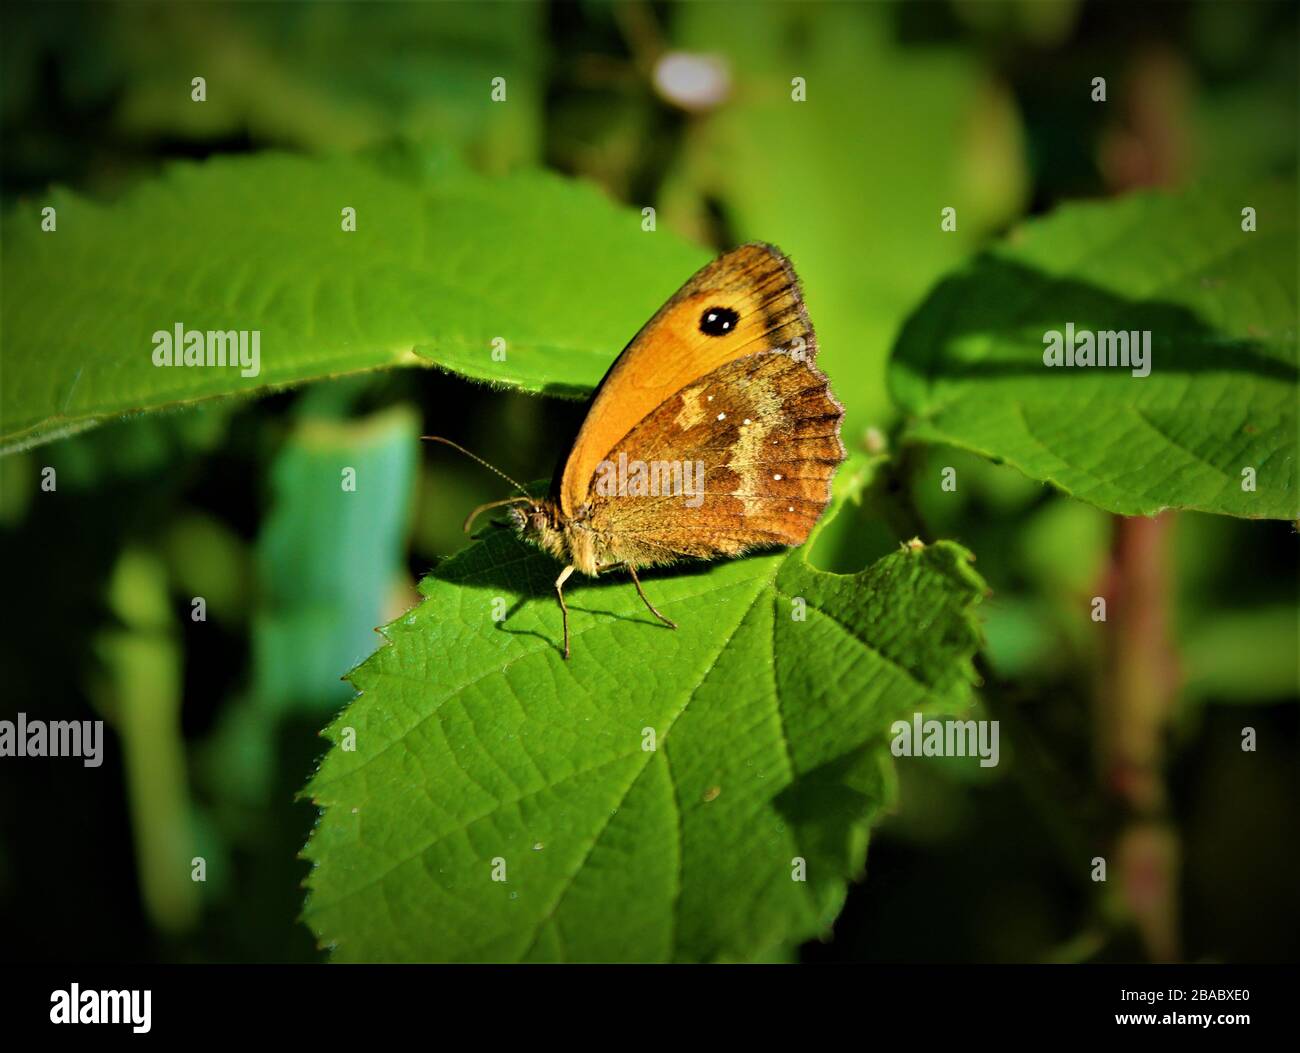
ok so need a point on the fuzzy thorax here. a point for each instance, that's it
(571, 542)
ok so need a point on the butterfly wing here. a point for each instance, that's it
(764, 429)
(745, 302)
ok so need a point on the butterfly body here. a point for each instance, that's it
(570, 541)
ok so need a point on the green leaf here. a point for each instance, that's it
(442, 263)
(1220, 304)
(477, 745)
(849, 182)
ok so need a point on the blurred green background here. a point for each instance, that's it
(983, 105)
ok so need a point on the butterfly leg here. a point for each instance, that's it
(641, 592)
(564, 609)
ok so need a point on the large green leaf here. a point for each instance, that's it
(442, 262)
(1221, 397)
(476, 744)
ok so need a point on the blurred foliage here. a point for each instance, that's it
(139, 694)
(983, 106)
(849, 179)
(342, 499)
(301, 76)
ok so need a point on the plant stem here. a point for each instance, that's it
(1134, 705)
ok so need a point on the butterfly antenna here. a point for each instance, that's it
(476, 457)
(491, 468)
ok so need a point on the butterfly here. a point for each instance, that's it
(713, 434)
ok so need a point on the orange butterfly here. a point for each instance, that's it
(712, 434)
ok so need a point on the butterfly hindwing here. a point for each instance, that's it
(762, 432)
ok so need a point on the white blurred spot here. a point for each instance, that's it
(691, 81)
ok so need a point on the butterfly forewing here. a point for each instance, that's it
(746, 302)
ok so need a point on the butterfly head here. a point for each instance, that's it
(530, 521)
(538, 522)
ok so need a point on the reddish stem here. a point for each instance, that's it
(1135, 703)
